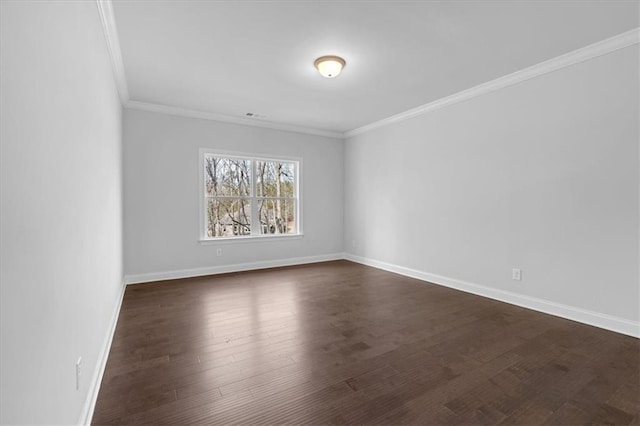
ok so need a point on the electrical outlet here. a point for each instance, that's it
(516, 274)
(78, 372)
(219, 252)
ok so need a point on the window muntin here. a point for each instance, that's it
(248, 196)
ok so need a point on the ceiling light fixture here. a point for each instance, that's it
(329, 66)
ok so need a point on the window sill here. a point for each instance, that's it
(251, 238)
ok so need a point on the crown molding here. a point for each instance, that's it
(591, 51)
(105, 10)
(189, 113)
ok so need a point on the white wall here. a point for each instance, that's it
(542, 176)
(61, 251)
(161, 175)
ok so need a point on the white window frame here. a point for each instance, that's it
(255, 224)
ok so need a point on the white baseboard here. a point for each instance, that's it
(608, 322)
(96, 380)
(223, 269)
(596, 319)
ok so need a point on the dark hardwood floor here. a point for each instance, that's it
(342, 343)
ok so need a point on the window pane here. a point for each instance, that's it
(230, 177)
(277, 216)
(275, 179)
(228, 217)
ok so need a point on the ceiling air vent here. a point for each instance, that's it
(255, 115)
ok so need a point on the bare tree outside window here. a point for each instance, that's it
(276, 197)
(228, 192)
(246, 197)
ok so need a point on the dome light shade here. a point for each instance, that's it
(329, 66)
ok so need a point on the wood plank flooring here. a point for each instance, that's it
(342, 343)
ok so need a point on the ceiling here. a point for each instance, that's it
(234, 57)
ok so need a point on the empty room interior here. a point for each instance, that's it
(320, 212)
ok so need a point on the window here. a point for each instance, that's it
(249, 196)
